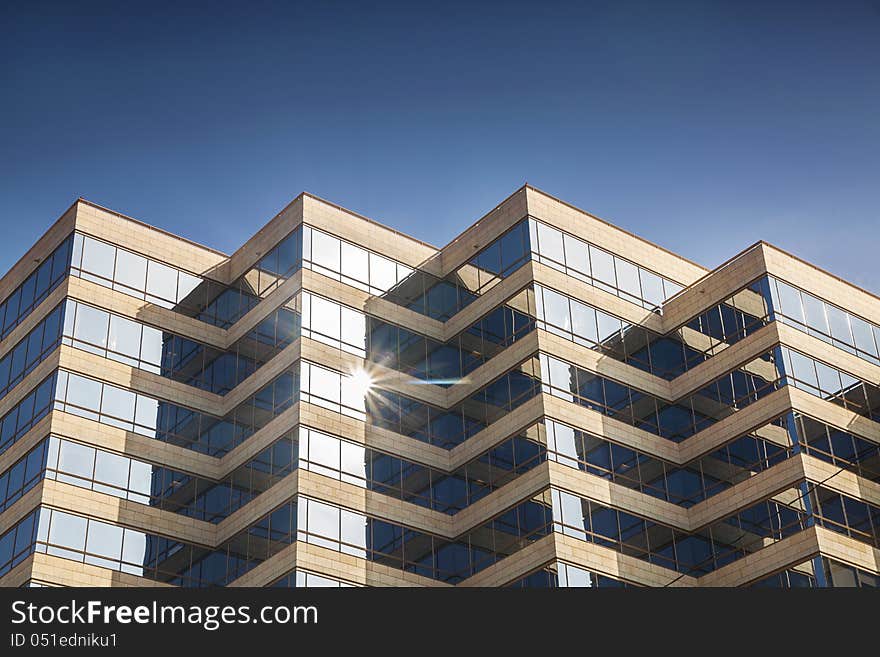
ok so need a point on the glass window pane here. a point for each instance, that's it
(839, 323)
(652, 287)
(325, 317)
(863, 335)
(118, 403)
(186, 283)
(354, 328)
(550, 243)
(324, 383)
(325, 250)
(76, 459)
(603, 266)
(353, 392)
(323, 520)
(84, 392)
(104, 540)
(151, 345)
(134, 548)
(146, 412)
(829, 378)
(628, 277)
(324, 450)
(670, 289)
(353, 532)
(353, 460)
(162, 281)
(789, 300)
(383, 272)
(111, 469)
(140, 480)
(577, 254)
(125, 336)
(583, 321)
(802, 368)
(814, 310)
(91, 325)
(355, 263)
(98, 258)
(131, 269)
(67, 531)
(556, 310)
(609, 327)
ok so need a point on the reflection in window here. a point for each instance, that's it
(24, 415)
(593, 265)
(36, 287)
(824, 320)
(24, 357)
(127, 272)
(360, 268)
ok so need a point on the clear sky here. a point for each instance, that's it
(702, 126)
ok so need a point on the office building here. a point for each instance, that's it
(548, 400)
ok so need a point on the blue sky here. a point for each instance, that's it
(701, 126)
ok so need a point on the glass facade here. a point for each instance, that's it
(341, 430)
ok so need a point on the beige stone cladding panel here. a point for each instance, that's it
(592, 557)
(743, 355)
(374, 504)
(738, 424)
(324, 561)
(267, 305)
(374, 437)
(599, 363)
(521, 355)
(761, 486)
(778, 556)
(713, 288)
(141, 381)
(598, 424)
(64, 572)
(388, 311)
(834, 415)
(111, 509)
(114, 439)
(522, 562)
(279, 363)
(501, 499)
(615, 564)
(608, 493)
(164, 319)
(488, 301)
(792, 551)
(843, 481)
(148, 241)
(18, 575)
(848, 550)
(509, 425)
(260, 440)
